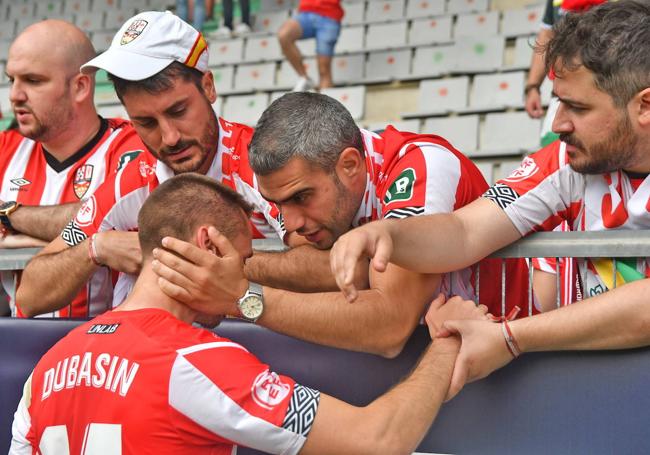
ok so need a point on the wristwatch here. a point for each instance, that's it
(7, 209)
(251, 305)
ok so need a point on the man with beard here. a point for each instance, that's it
(327, 176)
(61, 150)
(167, 90)
(595, 178)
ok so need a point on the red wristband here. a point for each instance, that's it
(511, 343)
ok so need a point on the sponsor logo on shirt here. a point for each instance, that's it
(127, 157)
(402, 187)
(268, 390)
(86, 213)
(102, 329)
(146, 169)
(527, 168)
(82, 178)
(135, 29)
(20, 183)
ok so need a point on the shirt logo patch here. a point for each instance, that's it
(402, 187)
(527, 168)
(102, 329)
(82, 178)
(86, 213)
(268, 390)
(20, 182)
(146, 169)
(135, 29)
(127, 157)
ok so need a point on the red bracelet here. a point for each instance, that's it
(92, 251)
(511, 343)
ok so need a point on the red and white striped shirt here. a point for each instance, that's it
(31, 176)
(143, 381)
(545, 190)
(412, 175)
(116, 204)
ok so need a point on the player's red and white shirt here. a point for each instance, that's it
(545, 191)
(327, 8)
(142, 381)
(31, 176)
(116, 204)
(412, 175)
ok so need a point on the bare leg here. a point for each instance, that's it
(325, 70)
(287, 36)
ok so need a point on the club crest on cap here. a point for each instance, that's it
(134, 30)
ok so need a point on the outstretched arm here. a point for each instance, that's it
(427, 244)
(617, 319)
(43, 222)
(394, 423)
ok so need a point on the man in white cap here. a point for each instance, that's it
(159, 66)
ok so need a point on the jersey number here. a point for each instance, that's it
(99, 438)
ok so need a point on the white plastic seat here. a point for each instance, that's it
(353, 98)
(479, 54)
(224, 52)
(108, 5)
(411, 126)
(521, 21)
(90, 21)
(113, 111)
(460, 131)
(388, 65)
(262, 48)
(102, 40)
(477, 24)
(433, 61)
(277, 5)
(115, 18)
(255, 77)
(426, 31)
(49, 9)
(384, 10)
(76, 6)
(5, 104)
(497, 91)
(245, 108)
(523, 52)
(307, 47)
(347, 69)
(386, 36)
(425, 8)
(506, 133)
(354, 13)
(21, 10)
(270, 21)
(466, 6)
(287, 76)
(441, 96)
(223, 77)
(350, 40)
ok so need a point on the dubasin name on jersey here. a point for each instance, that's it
(105, 371)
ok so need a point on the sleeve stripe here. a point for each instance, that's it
(404, 212)
(213, 345)
(302, 410)
(194, 395)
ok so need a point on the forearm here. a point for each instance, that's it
(44, 221)
(537, 71)
(51, 281)
(617, 319)
(372, 324)
(400, 418)
(300, 269)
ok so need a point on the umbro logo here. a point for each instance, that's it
(19, 182)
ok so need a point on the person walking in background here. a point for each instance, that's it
(320, 19)
(192, 11)
(227, 30)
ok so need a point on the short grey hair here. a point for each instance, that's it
(612, 41)
(307, 125)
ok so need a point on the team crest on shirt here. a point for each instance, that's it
(146, 169)
(268, 390)
(402, 187)
(134, 30)
(86, 213)
(82, 178)
(19, 184)
(527, 168)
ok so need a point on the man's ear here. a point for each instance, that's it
(207, 82)
(203, 240)
(82, 87)
(350, 164)
(642, 105)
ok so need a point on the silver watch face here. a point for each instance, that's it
(251, 307)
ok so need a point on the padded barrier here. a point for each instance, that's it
(543, 403)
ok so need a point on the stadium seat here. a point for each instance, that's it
(425, 8)
(477, 24)
(113, 110)
(262, 48)
(391, 35)
(109, 5)
(7, 33)
(412, 126)
(223, 79)
(287, 76)
(227, 51)
(523, 52)
(353, 98)
(105, 94)
(76, 6)
(487, 169)
(348, 69)
(49, 9)
(467, 6)
(461, 131)
(427, 31)
(260, 76)
(440, 96)
(5, 104)
(277, 5)
(21, 10)
(521, 21)
(433, 61)
(387, 65)
(384, 10)
(497, 91)
(508, 133)
(245, 108)
(270, 21)
(354, 13)
(115, 18)
(307, 47)
(90, 21)
(479, 55)
(351, 39)
(102, 39)
(217, 106)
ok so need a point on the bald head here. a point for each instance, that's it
(64, 44)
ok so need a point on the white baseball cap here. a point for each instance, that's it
(147, 43)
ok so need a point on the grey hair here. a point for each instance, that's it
(610, 40)
(311, 126)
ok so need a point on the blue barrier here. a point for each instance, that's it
(544, 403)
